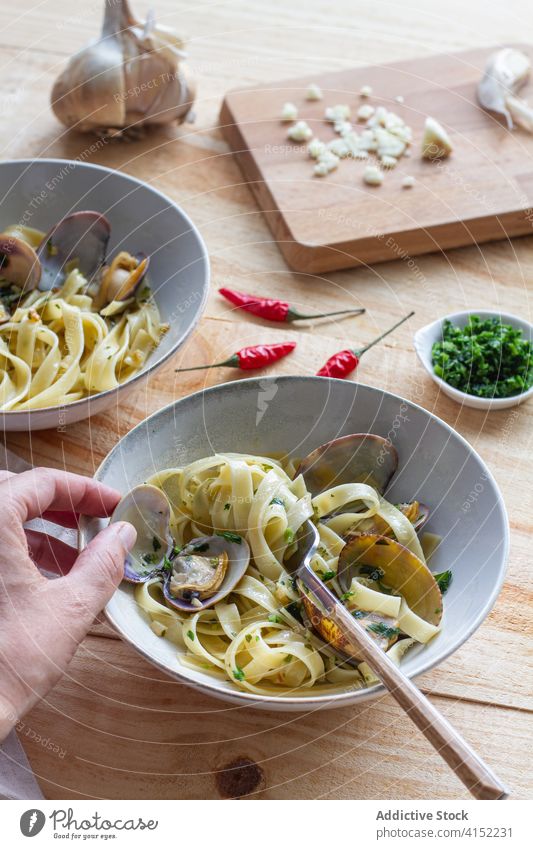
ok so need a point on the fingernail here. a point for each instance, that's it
(126, 533)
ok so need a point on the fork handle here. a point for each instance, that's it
(450, 745)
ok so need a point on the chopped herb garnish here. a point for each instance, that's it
(327, 576)
(288, 658)
(289, 536)
(227, 506)
(358, 614)
(486, 358)
(156, 544)
(444, 580)
(201, 546)
(248, 638)
(176, 550)
(238, 673)
(230, 536)
(279, 501)
(190, 635)
(273, 617)
(383, 630)
(347, 595)
(167, 565)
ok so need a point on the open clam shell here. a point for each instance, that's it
(148, 510)
(355, 458)
(19, 263)
(82, 236)
(401, 571)
(380, 558)
(123, 277)
(189, 587)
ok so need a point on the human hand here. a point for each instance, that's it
(42, 621)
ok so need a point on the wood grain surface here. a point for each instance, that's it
(480, 193)
(115, 727)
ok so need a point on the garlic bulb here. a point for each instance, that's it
(131, 76)
(506, 72)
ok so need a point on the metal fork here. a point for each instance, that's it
(467, 765)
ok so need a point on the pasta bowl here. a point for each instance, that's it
(38, 193)
(295, 415)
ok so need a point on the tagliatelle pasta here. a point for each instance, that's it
(61, 345)
(258, 636)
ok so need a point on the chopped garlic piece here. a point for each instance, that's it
(367, 141)
(316, 148)
(340, 148)
(314, 92)
(340, 112)
(436, 143)
(365, 112)
(300, 132)
(387, 143)
(373, 175)
(328, 162)
(342, 127)
(289, 112)
(408, 182)
(388, 161)
(365, 91)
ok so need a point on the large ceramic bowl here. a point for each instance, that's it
(39, 192)
(296, 414)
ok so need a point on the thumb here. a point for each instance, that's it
(99, 569)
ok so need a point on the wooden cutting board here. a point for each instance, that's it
(484, 191)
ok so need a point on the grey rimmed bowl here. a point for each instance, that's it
(295, 415)
(39, 192)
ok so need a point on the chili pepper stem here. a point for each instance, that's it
(232, 361)
(294, 315)
(361, 351)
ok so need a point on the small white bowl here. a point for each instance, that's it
(426, 336)
(39, 192)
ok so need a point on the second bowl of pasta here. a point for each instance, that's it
(207, 597)
(102, 278)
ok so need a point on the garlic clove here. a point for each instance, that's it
(506, 72)
(436, 143)
(132, 75)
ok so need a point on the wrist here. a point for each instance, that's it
(8, 718)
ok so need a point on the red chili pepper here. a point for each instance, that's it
(343, 363)
(257, 356)
(274, 310)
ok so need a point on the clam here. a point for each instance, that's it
(205, 571)
(396, 571)
(355, 458)
(122, 278)
(81, 236)
(199, 575)
(148, 510)
(396, 568)
(19, 264)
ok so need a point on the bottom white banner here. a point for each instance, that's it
(262, 824)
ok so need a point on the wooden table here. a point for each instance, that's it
(123, 729)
